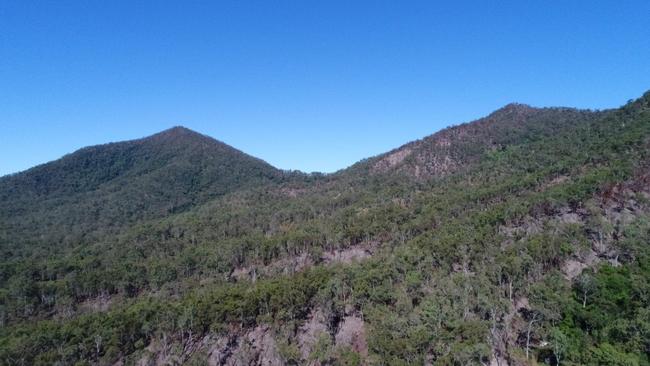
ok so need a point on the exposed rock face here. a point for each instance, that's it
(346, 256)
(309, 333)
(352, 333)
(287, 265)
(392, 159)
(256, 347)
(349, 333)
(453, 148)
(574, 266)
(221, 350)
(302, 261)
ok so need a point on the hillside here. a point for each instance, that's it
(457, 148)
(517, 239)
(98, 190)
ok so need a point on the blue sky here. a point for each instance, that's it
(309, 85)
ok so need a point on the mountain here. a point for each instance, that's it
(105, 187)
(517, 239)
(458, 147)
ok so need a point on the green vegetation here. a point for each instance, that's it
(522, 237)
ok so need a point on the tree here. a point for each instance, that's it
(586, 285)
(532, 318)
(559, 344)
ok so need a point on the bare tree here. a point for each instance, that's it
(98, 345)
(535, 317)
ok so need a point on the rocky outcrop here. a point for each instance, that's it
(311, 331)
(347, 256)
(302, 261)
(352, 333)
(347, 332)
(256, 346)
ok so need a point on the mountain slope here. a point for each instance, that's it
(456, 148)
(108, 186)
(533, 251)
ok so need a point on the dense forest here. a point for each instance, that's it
(521, 238)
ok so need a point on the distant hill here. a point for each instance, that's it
(458, 147)
(106, 186)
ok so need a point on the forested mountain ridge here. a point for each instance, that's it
(456, 148)
(531, 247)
(88, 168)
(105, 187)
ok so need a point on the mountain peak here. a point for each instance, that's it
(178, 131)
(181, 134)
(455, 148)
(169, 171)
(513, 108)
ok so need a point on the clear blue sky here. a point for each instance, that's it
(309, 85)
